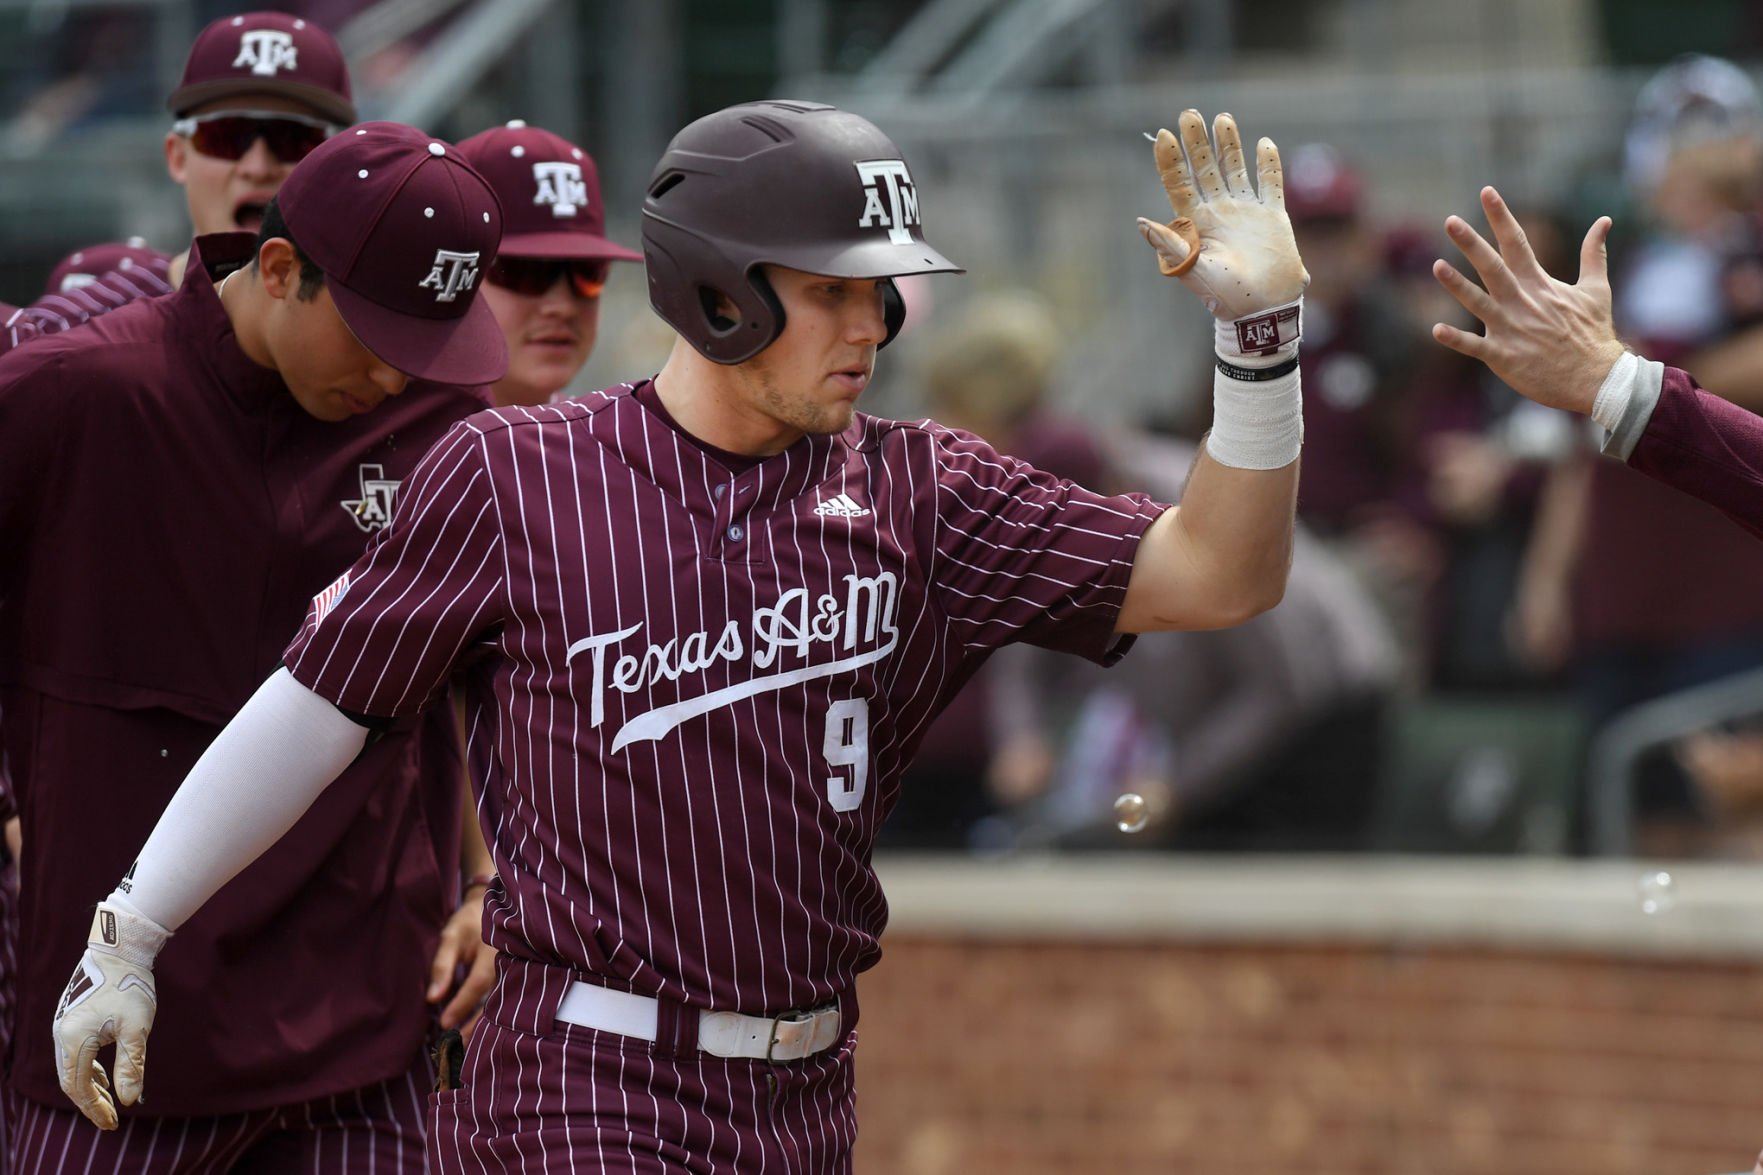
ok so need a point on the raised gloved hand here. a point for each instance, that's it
(1230, 244)
(110, 998)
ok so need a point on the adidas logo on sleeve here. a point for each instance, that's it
(841, 506)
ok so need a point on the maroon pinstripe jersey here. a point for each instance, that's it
(65, 309)
(693, 690)
(1703, 445)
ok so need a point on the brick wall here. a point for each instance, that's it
(1013, 1054)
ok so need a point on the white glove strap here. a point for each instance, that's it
(1261, 339)
(1256, 424)
(119, 929)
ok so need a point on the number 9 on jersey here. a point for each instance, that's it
(847, 746)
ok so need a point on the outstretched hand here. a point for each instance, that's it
(1551, 342)
(1229, 243)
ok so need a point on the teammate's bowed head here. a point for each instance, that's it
(799, 185)
(403, 227)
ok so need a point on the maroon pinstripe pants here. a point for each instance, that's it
(543, 1096)
(376, 1129)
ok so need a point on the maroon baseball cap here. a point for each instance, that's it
(402, 226)
(1320, 185)
(550, 192)
(266, 53)
(85, 266)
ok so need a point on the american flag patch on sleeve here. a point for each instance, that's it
(324, 601)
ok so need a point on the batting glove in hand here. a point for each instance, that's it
(110, 998)
(1231, 246)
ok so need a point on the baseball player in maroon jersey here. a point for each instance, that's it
(704, 621)
(545, 286)
(176, 480)
(1556, 344)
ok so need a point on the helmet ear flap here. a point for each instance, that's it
(770, 311)
(687, 274)
(893, 310)
(722, 340)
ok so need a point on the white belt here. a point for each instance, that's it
(788, 1037)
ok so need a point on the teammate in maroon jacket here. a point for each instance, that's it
(176, 480)
(704, 621)
(1556, 344)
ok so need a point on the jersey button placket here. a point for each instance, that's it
(729, 529)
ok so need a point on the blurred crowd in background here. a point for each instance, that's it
(1493, 640)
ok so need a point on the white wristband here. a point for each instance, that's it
(1256, 424)
(1615, 392)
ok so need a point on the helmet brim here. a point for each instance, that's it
(867, 259)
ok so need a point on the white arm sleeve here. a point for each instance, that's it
(249, 787)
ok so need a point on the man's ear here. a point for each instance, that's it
(177, 157)
(280, 267)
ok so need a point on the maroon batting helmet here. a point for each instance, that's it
(797, 184)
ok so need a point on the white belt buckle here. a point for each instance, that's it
(788, 1037)
(802, 1034)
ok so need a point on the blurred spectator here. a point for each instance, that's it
(1357, 362)
(989, 371)
(1357, 350)
(84, 64)
(1267, 736)
(1639, 590)
(1726, 769)
(1474, 455)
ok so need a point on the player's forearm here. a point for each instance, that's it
(1238, 524)
(1219, 558)
(251, 785)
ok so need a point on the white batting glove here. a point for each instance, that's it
(1231, 246)
(110, 998)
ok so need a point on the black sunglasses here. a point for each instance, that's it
(534, 275)
(228, 134)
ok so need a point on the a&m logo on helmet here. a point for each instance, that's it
(899, 208)
(265, 51)
(451, 273)
(561, 186)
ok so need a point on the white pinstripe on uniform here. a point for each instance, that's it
(378, 1130)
